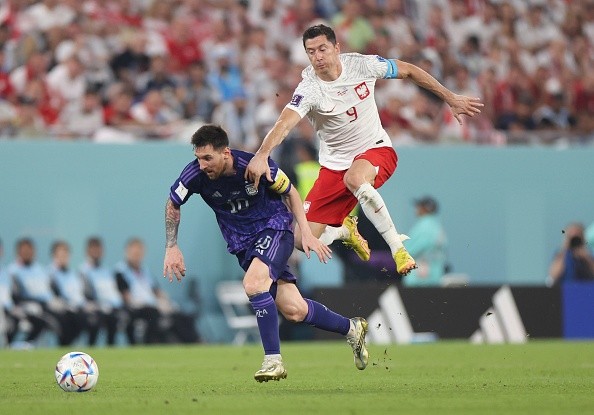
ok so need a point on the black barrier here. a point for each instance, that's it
(451, 313)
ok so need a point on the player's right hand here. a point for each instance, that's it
(257, 167)
(174, 265)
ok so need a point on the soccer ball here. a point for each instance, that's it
(77, 372)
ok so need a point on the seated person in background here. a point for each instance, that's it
(428, 245)
(574, 262)
(101, 287)
(14, 314)
(68, 285)
(33, 292)
(146, 302)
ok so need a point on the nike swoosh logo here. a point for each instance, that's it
(378, 209)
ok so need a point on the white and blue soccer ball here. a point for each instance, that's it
(77, 372)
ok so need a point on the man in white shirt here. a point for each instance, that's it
(356, 154)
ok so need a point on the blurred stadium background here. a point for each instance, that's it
(99, 100)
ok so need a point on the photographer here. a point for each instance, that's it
(574, 262)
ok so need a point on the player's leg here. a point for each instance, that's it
(327, 207)
(297, 309)
(369, 170)
(265, 261)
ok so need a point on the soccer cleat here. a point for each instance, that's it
(355, 241)
(357, 342)
(272, 369)
(404, 262)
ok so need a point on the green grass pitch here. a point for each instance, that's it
(542, 377)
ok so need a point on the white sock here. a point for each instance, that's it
(376, 211)
(273, 357)
(351, 332)
(332, 233)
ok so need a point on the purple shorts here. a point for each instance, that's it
(273, 248)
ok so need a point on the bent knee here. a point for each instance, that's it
(255, 285)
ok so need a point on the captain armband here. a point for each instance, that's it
(281, 184)
(392, 70)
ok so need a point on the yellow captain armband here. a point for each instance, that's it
(281, 184)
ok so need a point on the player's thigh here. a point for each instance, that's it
(329, 201)
(383, 161)
(290, 302)
(257, 277)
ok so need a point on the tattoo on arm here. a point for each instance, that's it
(172, 218)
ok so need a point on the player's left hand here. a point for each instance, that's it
(174, 264)
(311, 243)
(463, 105)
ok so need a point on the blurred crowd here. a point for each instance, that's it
(128, 70)
(81, 303)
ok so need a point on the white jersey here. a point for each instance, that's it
(344, 112)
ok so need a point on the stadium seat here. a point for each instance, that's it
(237, 311)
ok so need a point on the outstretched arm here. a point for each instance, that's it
(174, 259)
(258, 165)
(309, 241)
(460, 104)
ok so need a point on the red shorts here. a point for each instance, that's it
(329, 201)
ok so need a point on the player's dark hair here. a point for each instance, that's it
(319, 30)
(210, 134)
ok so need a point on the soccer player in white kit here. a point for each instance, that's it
(356, 155)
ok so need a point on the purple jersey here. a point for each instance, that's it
(242, 211)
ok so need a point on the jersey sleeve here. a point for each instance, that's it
(185, 185)
(381, 67)
(281, 183)
(304, 98)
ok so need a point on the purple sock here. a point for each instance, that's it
(318, 315)
(267, 315)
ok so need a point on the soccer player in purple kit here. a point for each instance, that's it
(256, 223)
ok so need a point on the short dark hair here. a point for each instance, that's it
(94, 241)
(26, 241)
(319, 30)
(59, 244)
(210, 134)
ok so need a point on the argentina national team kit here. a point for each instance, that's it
(254, 222)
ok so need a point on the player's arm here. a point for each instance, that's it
(174, 259)
(258, 165)
(282, 185)
(460, 104)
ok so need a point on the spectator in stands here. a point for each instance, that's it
(352, 30)
(158, 119)
(133, 61)
(197, 95)
(183, 48)
(554, 113)
(33, 292)
(69, 286)
(81, 118)
(574, 262)
(429, 243)
(66, 81)
(101, 287)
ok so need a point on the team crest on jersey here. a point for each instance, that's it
(362, 90)
(306, 206)
(296, 100)
(250, 189)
